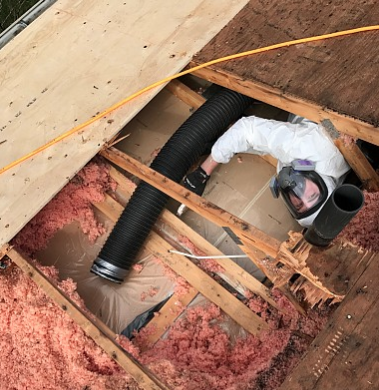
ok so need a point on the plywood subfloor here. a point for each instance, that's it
(75, 61)
(335, 78)
(345, 354)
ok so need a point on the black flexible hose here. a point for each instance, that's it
(181, 151)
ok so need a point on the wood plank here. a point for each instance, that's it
(167, 316)
(198, 204)
(198, 279)
(345, 354)
(359, 164)
(279, 276)
(185, 94)
(319, 80)
(299, 106)
(168, 220)
(206, 285)
(69, 67)
(89, 326)
(231, 268)
(112, 209)
(354, 156)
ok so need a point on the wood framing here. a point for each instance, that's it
(354, 156)
(198, 278)
(185, 94)
(254, 236)
(235, 274)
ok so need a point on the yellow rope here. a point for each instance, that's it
(169, 78)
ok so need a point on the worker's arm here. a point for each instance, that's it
(283, 140)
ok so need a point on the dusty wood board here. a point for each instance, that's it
(75, 61)
(332, 78)
(345, 354)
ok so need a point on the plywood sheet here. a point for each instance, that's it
(335, 78)
(79, 58)
(345, 354)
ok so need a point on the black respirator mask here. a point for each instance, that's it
(302, 189)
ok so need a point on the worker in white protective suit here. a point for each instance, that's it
(309, 166)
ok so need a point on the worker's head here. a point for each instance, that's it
(304, 192)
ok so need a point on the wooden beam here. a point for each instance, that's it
(168, 220)
(277, 98)
(231, 268)
(185, 94)
(206, 285)
(112, 209)
(167, 315)
(196, 277)
(354, 156)
(237, 227)
(4, 250)
(101, 337)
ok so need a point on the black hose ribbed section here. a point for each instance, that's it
(181, 151)
(342, 205)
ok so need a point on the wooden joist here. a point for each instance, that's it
(94, 329)
(168, 220)
(288, 103)
(194, 275)
(241, 230)
(185, 94)
(207, 286)
(167, 316)
(354, 156)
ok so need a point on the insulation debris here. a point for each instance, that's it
(363, 229)
(200, 352)
(72, 203)
(41, 347)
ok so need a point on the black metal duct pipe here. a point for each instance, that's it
(342, 205)
(182, 150)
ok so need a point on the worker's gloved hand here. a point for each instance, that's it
(196, 181)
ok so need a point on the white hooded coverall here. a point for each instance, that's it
(286, 141)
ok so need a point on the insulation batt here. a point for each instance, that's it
(41, 347)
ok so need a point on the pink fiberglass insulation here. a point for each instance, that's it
(72, 203)
(198, 353)
(363, 229)
(40, 345)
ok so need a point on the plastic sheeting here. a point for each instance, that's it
(116, 305)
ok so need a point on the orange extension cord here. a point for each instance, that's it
(167, 79)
